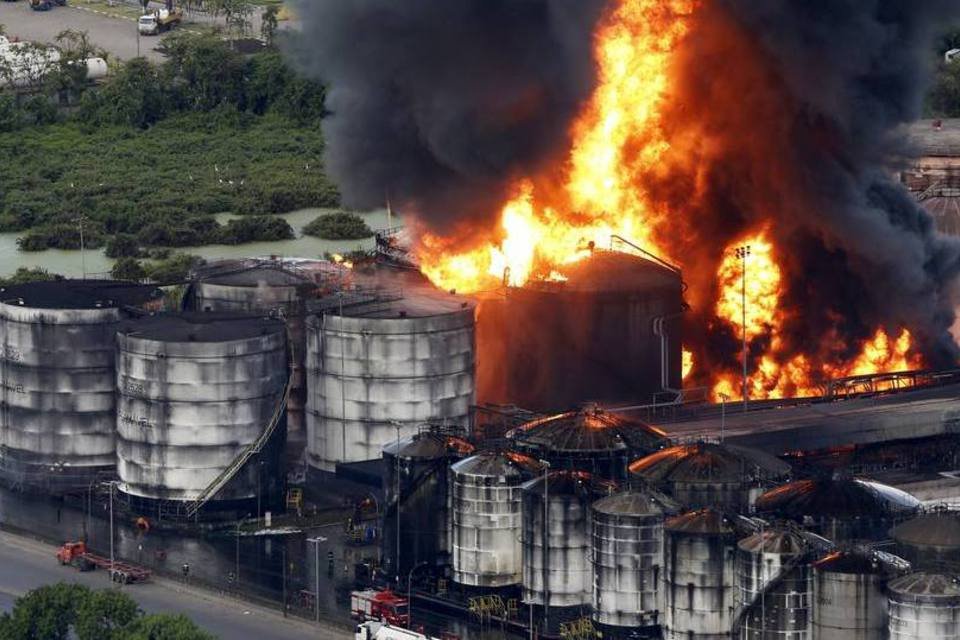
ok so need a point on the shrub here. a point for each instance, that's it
(338, 226)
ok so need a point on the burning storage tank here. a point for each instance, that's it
(627, 554)
(556, 538)
(378, 367)
(58, 379)
(262, 286)
(931, 541)
(849, 594)
(197, 393)
(486, 506)
(705, 474)
(840, 508)
(698, 576)
(586, 337)
(774, 594)
(924, 606)
(589, 439)
(417, 469)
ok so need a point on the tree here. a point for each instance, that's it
(46, 613)
(164, 626)
(338, 226)
(69, 75)
(944, 97)
(29, 274)
(123, 245)
(269, 22)
(105, 615)
(127, 268)
(136, 95)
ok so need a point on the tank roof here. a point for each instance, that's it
(708, 462)
(589, 428)
(566, 482)
(415, 299)
(607, 271)
(195, 326)
(636, 503)
(428, 445)
(930, 140)
(836, 498)
(496, 463)
(701, 522)
(79, 294)
(925, 586)
(938, 529)
(780, 541)
(860, 562)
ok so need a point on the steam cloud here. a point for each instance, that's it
(436, 104)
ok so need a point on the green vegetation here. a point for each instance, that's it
(25, 274)
(62, 611)
(171, 268)
(151, 154)
(943, 101)
(338, 226)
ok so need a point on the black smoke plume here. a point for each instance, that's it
(438, 104)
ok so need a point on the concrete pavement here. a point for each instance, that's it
(28, 564)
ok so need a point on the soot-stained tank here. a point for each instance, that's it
(930, 541)
(849, 594)
(840, 508)
(774, 586)
(378, 367)
(706, 474)
(699, 583)
(196, 390)
(486, 505)
(417, 469)
(550, 345)
(262, 286)
(627, 555)
(924, 606)
(58, 379)
(556, 538)
(588, 439)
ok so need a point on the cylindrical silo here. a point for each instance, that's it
(556, 539)
(840, 508)
(924, 606)
(705, 474)
(486, 506)
(588, 439)
(774, 590)
(195, 390)
(627, 555)
(698, 576)
(849, 594)
(378, 368)
(930, 541)
(58, 380)
(246, 286)
(417, 474)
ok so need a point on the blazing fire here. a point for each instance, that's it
(620, 143)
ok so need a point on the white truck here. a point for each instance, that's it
(151, 24)
(374, 630)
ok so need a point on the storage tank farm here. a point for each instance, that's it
(588, 439)
(627, 556)
(378, 371)
(201, 401)
(417, 474)
(58, 380)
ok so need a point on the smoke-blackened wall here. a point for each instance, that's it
(437, 104)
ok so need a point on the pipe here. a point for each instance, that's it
(659, 330)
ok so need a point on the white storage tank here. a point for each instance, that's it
(195, 390)
(924, 606)
(487, 501)
(627, 556)
(406, 362)
(698, 576)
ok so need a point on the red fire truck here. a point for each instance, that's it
(381, 606)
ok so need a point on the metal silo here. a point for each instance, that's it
(850, 601)
(698, 576)
(589, 439)
(924, 606)
(774, 588)
(627, 555)
(930, 541)
(417, 472)
(199, 393)
(58, 379)
(486, 506)
(246, 286)
(556, 538)
(840, 508)
(705, 474)
(374, 369)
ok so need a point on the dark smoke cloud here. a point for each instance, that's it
(439, 103)
(796, 104)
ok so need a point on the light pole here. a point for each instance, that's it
(397, 555)
(111, 483)
(743, 252)
(83, 260)
(316, 564)
(410, 592)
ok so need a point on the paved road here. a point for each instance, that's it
(27, 564)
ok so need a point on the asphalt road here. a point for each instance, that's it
(27, 564)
